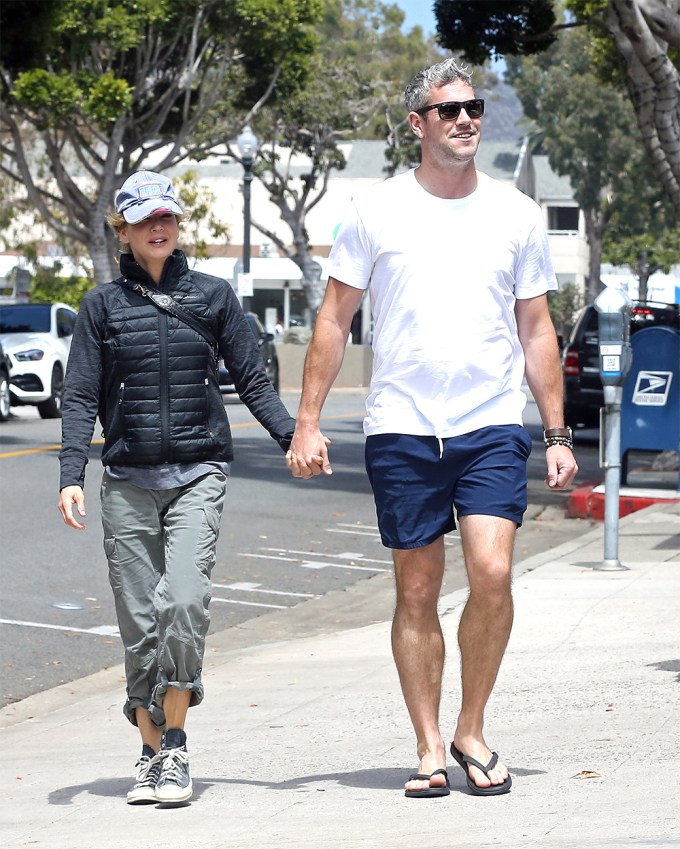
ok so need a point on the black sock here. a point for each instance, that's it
(174, 738)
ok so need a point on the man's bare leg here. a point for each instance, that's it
(418, 648)
(484, 631)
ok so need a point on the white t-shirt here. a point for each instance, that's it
(443, 276)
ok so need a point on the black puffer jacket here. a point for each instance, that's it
(152, 379)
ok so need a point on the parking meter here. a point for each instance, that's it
(614, 310)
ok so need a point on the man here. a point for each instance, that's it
(458, 271)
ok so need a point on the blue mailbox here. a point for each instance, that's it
(650, 408)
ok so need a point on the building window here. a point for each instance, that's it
(563, 218)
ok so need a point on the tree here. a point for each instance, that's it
(564, 306)
(356, 81)
(496, 28)
(646, 33)
(308, 125)
(643, 232)
(583, 126)
(93, 90)
(48, 282)
(49, 285)
(639, 39)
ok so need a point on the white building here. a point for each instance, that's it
(276, 280)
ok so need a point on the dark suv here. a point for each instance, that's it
(583, 394)
(265, 342)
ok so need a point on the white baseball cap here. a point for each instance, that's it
(145, 193)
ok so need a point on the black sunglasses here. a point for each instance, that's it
(450, 110)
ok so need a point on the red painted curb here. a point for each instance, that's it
(583, 503)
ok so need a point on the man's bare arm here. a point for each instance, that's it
(544, 376)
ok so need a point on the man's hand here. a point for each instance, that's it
(68, 497)
(562, 466)
(308, 453)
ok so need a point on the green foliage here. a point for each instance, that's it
(275, 33)
(564, 306)
(108, 98)
(123, 24)
(28, 33)
(355, 90)
(48, 286)
(584, 125)
(100, 46)
(52, 96)
(198, 204)
(482, 31)
(608, 64)
(643, 230)
(367, 39)
(107, 87)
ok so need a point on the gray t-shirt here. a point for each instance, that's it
(167, 476)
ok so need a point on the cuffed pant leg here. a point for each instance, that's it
(191, 523)
(133, 542)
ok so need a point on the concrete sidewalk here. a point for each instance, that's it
(307, 743)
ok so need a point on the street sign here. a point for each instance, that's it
(245, 285)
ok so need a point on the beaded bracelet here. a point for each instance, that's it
(558, 440)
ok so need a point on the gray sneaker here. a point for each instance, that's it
(148, 767)
(174, 783)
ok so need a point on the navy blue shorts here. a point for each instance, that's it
(418, 481)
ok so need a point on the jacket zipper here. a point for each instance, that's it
(166, 448)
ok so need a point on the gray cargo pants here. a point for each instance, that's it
(160, 546)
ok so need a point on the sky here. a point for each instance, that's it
(418, 13)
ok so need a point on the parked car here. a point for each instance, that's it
(583, 394)
(5, 366)
(37, 339)
(265, 342)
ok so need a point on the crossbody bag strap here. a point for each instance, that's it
(164, 302)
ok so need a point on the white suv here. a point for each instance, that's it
(37, 339)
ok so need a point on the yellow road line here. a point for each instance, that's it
(29, 451)
(6, 455)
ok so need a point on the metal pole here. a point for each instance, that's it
(247, 180)
(612, 479)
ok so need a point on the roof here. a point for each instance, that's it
(551, 186)
(366, 161)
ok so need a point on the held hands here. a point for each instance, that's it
(562, 466)
(308, 453)
(68, 497)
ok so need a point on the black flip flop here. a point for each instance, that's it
(492, 789)
(429, 792)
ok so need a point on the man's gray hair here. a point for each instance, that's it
(443, 73)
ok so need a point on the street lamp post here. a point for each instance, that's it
(247, 144)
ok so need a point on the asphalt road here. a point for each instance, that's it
(283, 542)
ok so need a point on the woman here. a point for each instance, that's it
(145, 363)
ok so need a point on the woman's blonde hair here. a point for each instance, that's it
(116, 222)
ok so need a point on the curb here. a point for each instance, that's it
(587, 501)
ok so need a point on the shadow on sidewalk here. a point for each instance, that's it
(367, 779)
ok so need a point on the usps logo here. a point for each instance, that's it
(651, 388)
